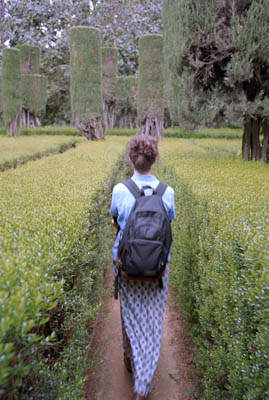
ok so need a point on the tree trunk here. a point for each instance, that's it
(109, 115)
(106, 118)
(29, 120)
(92, 130)
(152, 126)
(255, 140)
(167, 118)
(246, 144)
(265, 143)
(13, 128)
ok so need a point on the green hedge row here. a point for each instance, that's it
(221, 133)
(58, 367)
(23, 159)
(47, 130)
(220, 270)
(50, 263)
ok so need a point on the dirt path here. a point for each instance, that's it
(111, 381)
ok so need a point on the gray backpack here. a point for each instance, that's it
(147, 237)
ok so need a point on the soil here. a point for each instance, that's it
(110, 379)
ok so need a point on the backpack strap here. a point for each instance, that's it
(132, 186)
(136, 192)
(161, 188)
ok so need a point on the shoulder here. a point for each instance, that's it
(120, 191)
(169, 193)
(120, 188)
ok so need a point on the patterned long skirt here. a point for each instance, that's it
(142, 309)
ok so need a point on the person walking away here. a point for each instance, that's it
(142, 300)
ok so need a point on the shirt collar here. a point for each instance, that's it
(141, 177)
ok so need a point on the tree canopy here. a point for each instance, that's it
(220, 64)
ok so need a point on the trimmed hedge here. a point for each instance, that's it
(109, 73)
(11, 90)
(221, 133)
(220, 266)
(1, 102)
(47, 130)
(42, 219)
(30, 59)
(24, 149)
(34, 93)
(150, 99)
(86, 81)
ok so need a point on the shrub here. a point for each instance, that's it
(24, 149)
(220, 266)
(11, 90)
(223, 133)
(44, 208)
(150, 99)
(86, 81)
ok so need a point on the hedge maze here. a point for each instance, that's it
(55, 234)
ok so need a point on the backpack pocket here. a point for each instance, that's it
(144, 258)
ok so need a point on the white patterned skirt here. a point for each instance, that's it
(142, 309)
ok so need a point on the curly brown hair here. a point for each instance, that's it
(143, 151)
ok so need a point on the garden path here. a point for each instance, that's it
(111, 381)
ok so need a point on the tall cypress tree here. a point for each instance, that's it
(86, 81)
(11, 90)
(126, 95)
(34, 97)
(30, 59)
(151, 85)
(109, 82)
(1, 102)
(34, 86)
(220, 65)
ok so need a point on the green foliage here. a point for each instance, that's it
(219, 265)
(151, 77)
(109, 73)
(11, 85)
(222, 133)
(126, 93)
(40, 229)
(24, 149)
(47, 130)
(63, 376)
(171, 51)
(30, 59)
(126, 101)
(216, 56)
(1, 101)
(34, 93)
(86, 73)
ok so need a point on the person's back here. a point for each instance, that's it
(142, 301)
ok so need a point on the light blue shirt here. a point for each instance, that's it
(123, 201)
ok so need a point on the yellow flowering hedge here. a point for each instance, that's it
(44, 205)
(220, 263)
(15, 151)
